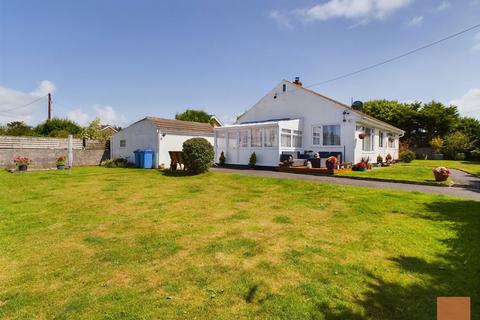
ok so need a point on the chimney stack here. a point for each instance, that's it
(297, 81)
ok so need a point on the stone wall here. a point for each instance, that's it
(44, 151)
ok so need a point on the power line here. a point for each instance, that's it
(394, 58)
(25, 105)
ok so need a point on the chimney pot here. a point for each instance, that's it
(297, 81)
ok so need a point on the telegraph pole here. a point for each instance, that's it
(49, 106)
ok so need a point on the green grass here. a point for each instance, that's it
(140, 244)
(471, 167)
(416, 171)
(397, 172)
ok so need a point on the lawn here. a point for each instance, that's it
(140, 244)
(471, 167)
(416, 171)
(397, 172)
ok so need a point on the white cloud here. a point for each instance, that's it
(283, 19)
(415, 21)
(79, 117)
(469, 104)
(476, 44)
(15, 105)
(363, 10)
(107, 115)
(444, 5)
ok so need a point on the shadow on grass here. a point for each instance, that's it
(177, 173)
(454, 273)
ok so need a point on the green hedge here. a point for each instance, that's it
(198, 155)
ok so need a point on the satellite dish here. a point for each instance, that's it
(357, 105)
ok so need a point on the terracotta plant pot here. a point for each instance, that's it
(60, 166)
(440, 177)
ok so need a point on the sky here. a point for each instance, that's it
(124, 60)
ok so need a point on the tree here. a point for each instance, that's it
(457, 142)
(94, 131)
(421, 122)
(194, 115)
(18, 128)
(58, 128)
(471, 128)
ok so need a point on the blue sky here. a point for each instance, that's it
(123, 60)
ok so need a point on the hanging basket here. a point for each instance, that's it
(362, 135)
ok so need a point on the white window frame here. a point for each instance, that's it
(285, 134)
(261, 137)
(372, 139)
(274, 131)
(381, 139)
(340, 135)
(317, 126)
(297, 133)
(247, 140)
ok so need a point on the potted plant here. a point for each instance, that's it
(361, 166)
(331, 163)
(253, 160)
(222, 159)
(388, 158)
(379, 159)
(61, 163)
(441, 173)
(22, 163)
(362, 135)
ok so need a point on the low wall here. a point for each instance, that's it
(44, 151)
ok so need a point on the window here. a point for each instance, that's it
(286, 138)
(270, 137)
(367, 142)
(243, 139)
(391, 140)
(221, 142)
(256, 137)
(331, 135)
(316, 135)
(123, 143)
(232, 140)
(297, 139)
(381, 137)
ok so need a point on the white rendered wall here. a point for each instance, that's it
(140, 135)
(174, 142)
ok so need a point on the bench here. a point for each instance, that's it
(176, 158)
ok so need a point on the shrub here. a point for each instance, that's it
(117, 163)
(379, 159)
(198, 155)
(222, 159)
(436, 144)
(456, 142)
(388, 158)
(475, 154)
(253, 159)
(407, 156)
(460, 156)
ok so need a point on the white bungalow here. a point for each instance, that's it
(292, 119)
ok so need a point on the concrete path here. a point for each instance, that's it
(464, 179)
(448, 191)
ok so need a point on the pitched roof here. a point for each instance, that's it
(179, 126)
(364, 115)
